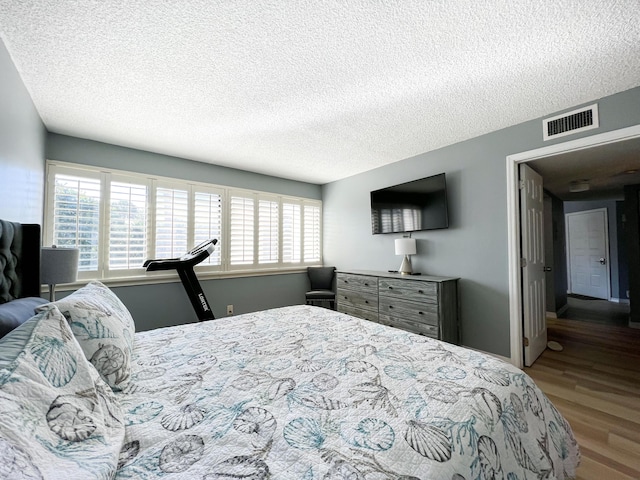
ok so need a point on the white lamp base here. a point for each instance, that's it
(405, 267)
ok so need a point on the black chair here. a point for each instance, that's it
(321, 280)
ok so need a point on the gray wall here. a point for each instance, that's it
(22, 144)
(160, 305)
(88, 152)
(474, 248)
(555, 254)
(623, 257)
(615, 266)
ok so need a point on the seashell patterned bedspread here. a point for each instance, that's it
(307, 393)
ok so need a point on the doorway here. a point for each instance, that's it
(588, 253)
(513, 225)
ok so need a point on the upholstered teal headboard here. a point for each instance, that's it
(19, 260)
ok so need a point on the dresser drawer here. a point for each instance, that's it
(412, 290)
(415, 312)
(370, 315)
(358, 299)
(414, 327)
(361, 283)
(426, 305)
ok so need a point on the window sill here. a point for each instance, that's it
(173, 278)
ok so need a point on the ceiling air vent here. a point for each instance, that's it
(571, 122)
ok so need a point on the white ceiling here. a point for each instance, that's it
(607, 169)
(313, 90)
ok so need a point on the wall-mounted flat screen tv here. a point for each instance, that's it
(410, 207)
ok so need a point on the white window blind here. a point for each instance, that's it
(119, 219)
(172, 218)
(311, 233)
(208, 222)
(241, 224)
(127, 226)
(291, 233)
(76, 217)
(268, 231)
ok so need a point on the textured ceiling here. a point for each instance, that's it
(313, 90)
(605, 168)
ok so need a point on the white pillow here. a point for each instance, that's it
(59, 419)
(104, 329)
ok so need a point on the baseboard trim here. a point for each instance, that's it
(624, 301)
(563, 309)
(495, 355)
(551, 315)
(634, 324)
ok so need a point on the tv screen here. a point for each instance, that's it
(410, 207)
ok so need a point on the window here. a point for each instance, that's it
(242, 219)
(172, 218)
(291, 232)
(76, 216)
(311, 233)
(119, 219)
(127, 225)
(207, 211)
(268, 231)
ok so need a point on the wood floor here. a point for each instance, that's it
(595, 383)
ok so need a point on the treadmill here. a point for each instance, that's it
(184, 266)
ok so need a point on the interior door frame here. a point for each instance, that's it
(513, 221)
(606, 247)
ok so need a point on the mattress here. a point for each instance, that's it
(308, 393)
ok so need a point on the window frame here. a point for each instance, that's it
(152, 182)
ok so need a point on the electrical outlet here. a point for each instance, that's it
(229, 309)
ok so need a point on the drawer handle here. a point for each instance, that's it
(390, 288)
(420, 291)
(390, 307)
(421, 313)
(366, 284)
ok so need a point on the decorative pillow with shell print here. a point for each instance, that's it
(104, 329)
(59, 419)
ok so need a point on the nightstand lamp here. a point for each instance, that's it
(406, 246)
(58, 265)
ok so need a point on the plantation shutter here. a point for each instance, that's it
(127, 226)
(311, 233)
(267, 231)
(208, 222)
(76, 217)
(118, 219)
(172, 218)
(291, 233)
(241, 235)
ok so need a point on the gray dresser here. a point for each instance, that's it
(421, 304)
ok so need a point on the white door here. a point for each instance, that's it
(587, 245)
(533, 275)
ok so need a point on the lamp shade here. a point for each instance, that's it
(405, 246)
(58, 265)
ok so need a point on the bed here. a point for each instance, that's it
(19, 273)
(298, 392)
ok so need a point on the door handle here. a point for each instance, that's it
(603, 261)
(546, 269)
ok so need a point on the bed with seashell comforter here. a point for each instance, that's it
(299, 392)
